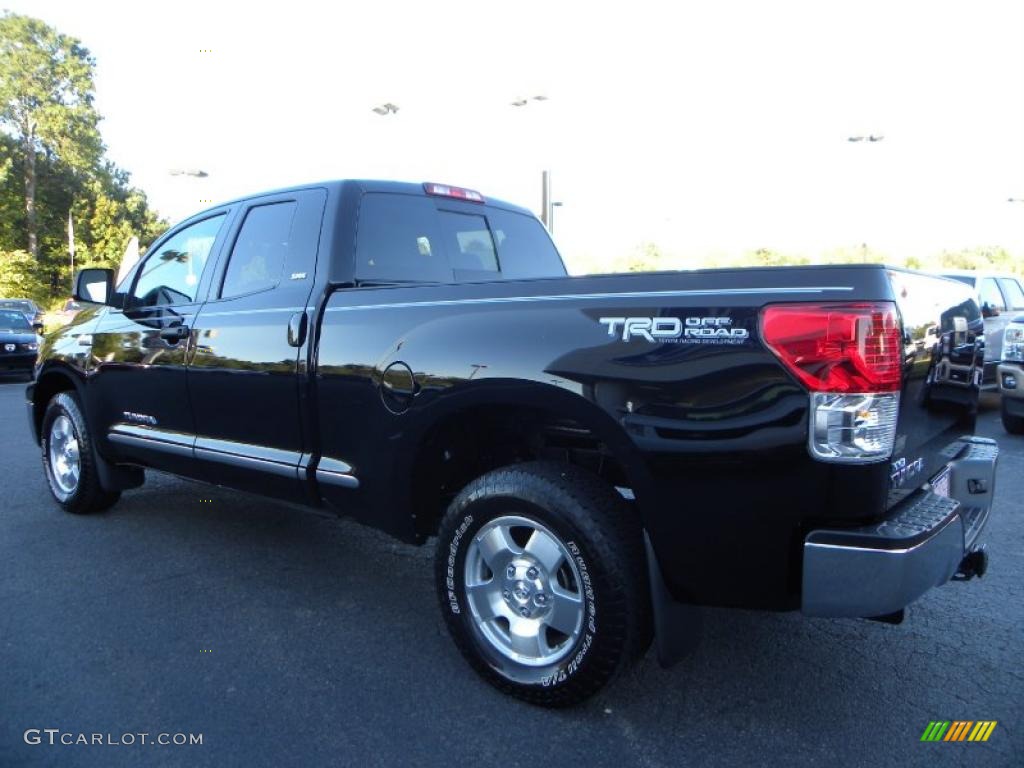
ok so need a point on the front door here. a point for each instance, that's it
(140, 400)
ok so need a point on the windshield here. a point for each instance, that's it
(13, 321)
(21, 306)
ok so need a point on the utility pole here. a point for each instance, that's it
(71, 249)
(545, 198)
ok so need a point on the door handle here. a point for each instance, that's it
(174, 333)
(297, 329)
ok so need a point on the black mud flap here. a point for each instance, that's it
(677, 626)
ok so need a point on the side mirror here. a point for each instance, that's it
(94, 286)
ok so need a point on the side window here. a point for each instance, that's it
(989, 292)
(1014, 293)
(398, 240)
(258, 258)
(469, 244)
(171, 274)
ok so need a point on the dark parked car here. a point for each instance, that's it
(19, 343)
(594, 456)
(27, 307)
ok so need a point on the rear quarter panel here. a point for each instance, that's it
(714, 434)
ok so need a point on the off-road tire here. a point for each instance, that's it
(88, 495)
(604, 538)
(1012, 424)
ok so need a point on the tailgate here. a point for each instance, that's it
(942, 370)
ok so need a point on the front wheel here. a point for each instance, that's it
(1012, 424)
(541, 578)
(68, 458)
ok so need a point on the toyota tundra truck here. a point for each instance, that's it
(597, 458)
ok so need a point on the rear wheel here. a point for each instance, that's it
(541, 580)
(1012, 424)
(68, 458)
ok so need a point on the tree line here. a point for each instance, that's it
(53, 164)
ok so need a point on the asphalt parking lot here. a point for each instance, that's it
(290, 638)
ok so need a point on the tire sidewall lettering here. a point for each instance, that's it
(571, 666)
(451, 587)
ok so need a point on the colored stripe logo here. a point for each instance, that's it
(959, 730)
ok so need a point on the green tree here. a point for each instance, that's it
(988, 258)
(46, 103)
(19, 276)
(645, 258)
(766, 257)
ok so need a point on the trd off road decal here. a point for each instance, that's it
(674, 330)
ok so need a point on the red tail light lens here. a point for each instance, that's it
(837, 347)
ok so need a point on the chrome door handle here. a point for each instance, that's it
(297, 329)
(174, 333)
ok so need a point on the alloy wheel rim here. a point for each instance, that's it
(65, 459)
(524, 593)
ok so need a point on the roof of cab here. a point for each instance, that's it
(364, 185)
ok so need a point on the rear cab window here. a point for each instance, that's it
(409, 238)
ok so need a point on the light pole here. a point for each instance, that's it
(547, 205)
(195, 173)
(387, 108)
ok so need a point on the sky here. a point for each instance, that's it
(701, 127)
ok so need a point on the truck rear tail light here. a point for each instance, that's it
(837, 347)
(443, 190)
(849, 357)
(853, 429)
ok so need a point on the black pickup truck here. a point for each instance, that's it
(598, 457)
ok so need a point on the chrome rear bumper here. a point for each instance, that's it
(879, 569)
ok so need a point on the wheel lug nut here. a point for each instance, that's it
(524, 612)
(511, 572)
(540, 599)
(507, 595)
(532, 573)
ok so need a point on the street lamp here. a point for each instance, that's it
(547, 205)
(387, 108)
(551, 216)
(195, 173)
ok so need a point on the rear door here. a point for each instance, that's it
(247, 372)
